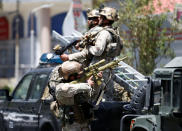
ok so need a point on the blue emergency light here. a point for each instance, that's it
(50, 58)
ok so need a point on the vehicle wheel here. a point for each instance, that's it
(138, 99)
(2, 122)
(47, 127)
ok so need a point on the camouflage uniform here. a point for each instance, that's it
(84, 56)
(94, 53)
(71, 98)
(65, 92)
(121, 94)
(74, 118)
(102, 45)
(54, 80)
(76, 127)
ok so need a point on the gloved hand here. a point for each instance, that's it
(57, 49)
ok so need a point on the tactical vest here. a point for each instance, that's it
(89, 37)
(113, 48)
(80, 112)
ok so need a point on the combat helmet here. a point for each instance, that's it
(69, 67)
(109, 13)
(92, 13)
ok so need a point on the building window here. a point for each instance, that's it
(18, 26)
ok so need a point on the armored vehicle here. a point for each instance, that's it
(163, 101)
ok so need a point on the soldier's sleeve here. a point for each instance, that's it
(79, 55)
(102, 39)
(69, 90)
(54, 80)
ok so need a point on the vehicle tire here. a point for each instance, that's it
(138, 99)
(2, 123)
(47, 127)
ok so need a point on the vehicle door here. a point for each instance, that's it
(34, 102)
(15, 114)
(4, 94)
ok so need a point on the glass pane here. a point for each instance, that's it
(166, 92)
(38, 85)
(22, 88)
(177, 92)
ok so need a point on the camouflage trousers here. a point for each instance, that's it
(109, 86)
(120, 94)
(113, 90)
(76, 127)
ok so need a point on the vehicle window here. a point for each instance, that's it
(166, 85)
(38, 86)
(22, 89)
(177, 92)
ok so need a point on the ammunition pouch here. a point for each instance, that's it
(80, 112)
(68, 115)
(111, 49)
(82, 108)
(114, 48)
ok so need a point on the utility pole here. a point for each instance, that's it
(17, 65)
(32, 40)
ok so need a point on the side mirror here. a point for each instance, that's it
(4, 94)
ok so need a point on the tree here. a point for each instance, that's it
(145, 37)
(97, 3)
(0, 4)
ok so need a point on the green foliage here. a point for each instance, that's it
(145, 38)
(97, 3)
(7, 87)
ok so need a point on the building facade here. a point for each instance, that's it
(25, 27)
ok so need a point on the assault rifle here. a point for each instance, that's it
(94, 69)
(68, 41)
(65, 42)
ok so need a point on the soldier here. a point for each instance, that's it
(73, 99)
(104, 43)
(93, 21)
(93, 18)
